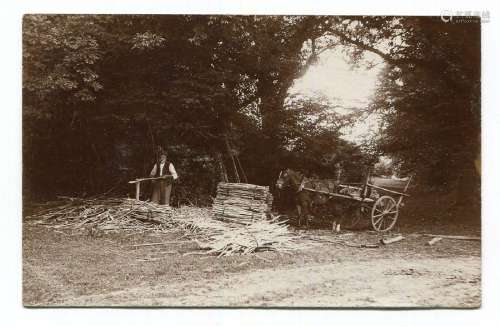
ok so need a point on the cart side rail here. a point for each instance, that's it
(338, 195)
(387, 190)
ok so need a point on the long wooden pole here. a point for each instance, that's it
(241, 169)
(337, 195)
(137, 190)
(230, 152)
(138, 181)
(456, 237)
(222, 167)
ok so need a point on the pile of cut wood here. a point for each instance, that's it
(242, 203)
(75, 216)
(97, 215)
(263, 235)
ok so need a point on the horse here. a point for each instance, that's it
(306, 201)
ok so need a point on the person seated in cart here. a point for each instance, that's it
(162, 188)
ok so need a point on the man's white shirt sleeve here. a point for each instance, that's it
(172, 171)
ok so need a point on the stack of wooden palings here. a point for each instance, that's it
(242, 203)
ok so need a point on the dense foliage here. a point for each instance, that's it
(101, 92)
(429, 97)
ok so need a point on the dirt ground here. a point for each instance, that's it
(108, 270)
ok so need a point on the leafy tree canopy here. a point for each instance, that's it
(101, 91)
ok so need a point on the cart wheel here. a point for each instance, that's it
(384, 213)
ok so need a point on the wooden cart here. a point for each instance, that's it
(382, 211)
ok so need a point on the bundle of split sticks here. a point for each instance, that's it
(242, 203)
(78, 216)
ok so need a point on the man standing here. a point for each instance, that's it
(163, 187)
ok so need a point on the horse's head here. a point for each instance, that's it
(282, 180)
(286, 178)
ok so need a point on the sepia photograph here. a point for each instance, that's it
(251, 161)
